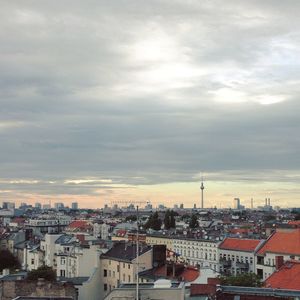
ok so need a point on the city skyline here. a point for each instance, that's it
(104, 101)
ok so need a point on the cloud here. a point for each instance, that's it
(147, 93)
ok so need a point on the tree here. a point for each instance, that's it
(172, 219)
(194, 221)
(245, 279)
(169, 220)
(153, 222)
(42, 272)
(8, 260)
(130, 218)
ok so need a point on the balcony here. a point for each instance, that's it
(225, 263)
(242, 265)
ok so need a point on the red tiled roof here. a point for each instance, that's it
(287, 277)
(296, 222)
(202, 289)
(190, 274)
(121, 233)
(282, 243)
(18, 220)
(239, 244)
(79, 224)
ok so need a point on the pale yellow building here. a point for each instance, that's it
(118, 265)
(160, 240)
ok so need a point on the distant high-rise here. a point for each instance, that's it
(74, 205)
(236, 203)
(38, 205)
(202, 190)
(58, 205)
(8, 205)
(251, 203)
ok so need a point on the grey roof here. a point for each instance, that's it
(14, 277)
(259, 291)
(124, 251)
(74, 280)
(64, 239)
(43, 298)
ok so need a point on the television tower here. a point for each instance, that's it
(202, 189)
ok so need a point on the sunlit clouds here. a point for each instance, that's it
(105, 101)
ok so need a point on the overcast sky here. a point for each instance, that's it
(125, 100)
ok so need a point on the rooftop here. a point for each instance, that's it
(124, 251)
(248, 245)
(287, 277)
(283, 243)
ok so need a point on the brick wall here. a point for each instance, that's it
(12, 289)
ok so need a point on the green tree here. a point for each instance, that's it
(42, 272)
(153, 222)
(194, 221)
(130, 218)
(246, 279)
(172, 219)
(167, 219)
(8, 260)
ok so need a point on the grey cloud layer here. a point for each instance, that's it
(77, 101)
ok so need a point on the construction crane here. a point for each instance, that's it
(136, 204)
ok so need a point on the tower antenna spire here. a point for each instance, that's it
(202, 190)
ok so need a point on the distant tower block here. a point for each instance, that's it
(251, 203)
(202, 189)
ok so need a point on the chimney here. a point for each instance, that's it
(266, 202)
(269, 202)
(279, 262)
(173, 270)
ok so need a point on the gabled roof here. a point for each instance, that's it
(287, 277)
(80, 224)
(124, 252)
(295, 223)
(282, 243)
(248, 245)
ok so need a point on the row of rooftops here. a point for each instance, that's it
(279, 242)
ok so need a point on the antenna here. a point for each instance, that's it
(137, 238)
(137, 253)
(202, 188)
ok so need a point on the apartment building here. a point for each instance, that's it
(119, 264)
(237, 256)
(160, 240)
(280, 243)
(200, 252)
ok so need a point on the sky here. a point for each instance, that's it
(107, 102)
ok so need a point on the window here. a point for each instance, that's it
(32, 261)
(114, 274)
(105, 286)
(128, 266)
(123, 265)
(123, 277)
(62, 273)
(118, 268)
(128, 278)
(109, 262)
(104, 273)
